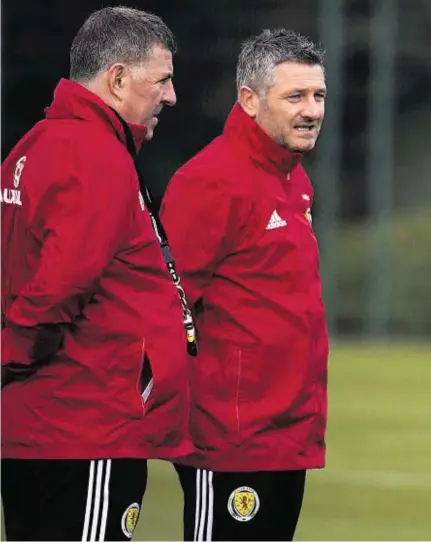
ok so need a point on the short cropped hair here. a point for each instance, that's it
(261, 54)
(116, 34)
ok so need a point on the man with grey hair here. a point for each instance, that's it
(238, 216)
(90, 309)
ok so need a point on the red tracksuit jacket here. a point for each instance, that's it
(85, 293)
(238, 220)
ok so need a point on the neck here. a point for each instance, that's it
(98, 87)
(250, 136)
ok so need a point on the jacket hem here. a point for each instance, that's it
(241, 460)
(79, 452)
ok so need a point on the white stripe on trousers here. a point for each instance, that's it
(94, 496)
(204, 509)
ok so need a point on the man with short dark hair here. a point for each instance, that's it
(238, 216)
(94, 345)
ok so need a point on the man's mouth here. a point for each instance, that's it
(305, 127)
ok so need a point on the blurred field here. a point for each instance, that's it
(377, 484)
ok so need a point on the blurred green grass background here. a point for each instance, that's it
(377, 483)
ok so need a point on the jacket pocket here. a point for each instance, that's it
(233, 374)
(147, 379)
(243, 383)
(145, 382)
(215, 419)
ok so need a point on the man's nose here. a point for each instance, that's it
(312, 109)
(170, 98)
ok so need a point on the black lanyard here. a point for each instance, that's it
(159, 230)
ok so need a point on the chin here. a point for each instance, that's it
(301, 148)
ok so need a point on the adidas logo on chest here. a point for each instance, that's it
(276, 221)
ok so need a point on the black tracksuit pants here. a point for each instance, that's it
(263, 505)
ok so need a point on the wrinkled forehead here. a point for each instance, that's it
(299, 76)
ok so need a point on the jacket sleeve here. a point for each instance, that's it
(82, 220)
(202, 220)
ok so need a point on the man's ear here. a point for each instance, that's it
(116, 76)
(249, 101)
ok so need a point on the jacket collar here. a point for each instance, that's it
(73, 101)
(249, 136)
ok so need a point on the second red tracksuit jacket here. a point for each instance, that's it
(238, 218)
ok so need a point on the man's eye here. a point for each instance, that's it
(294, 97)
(320, 96)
